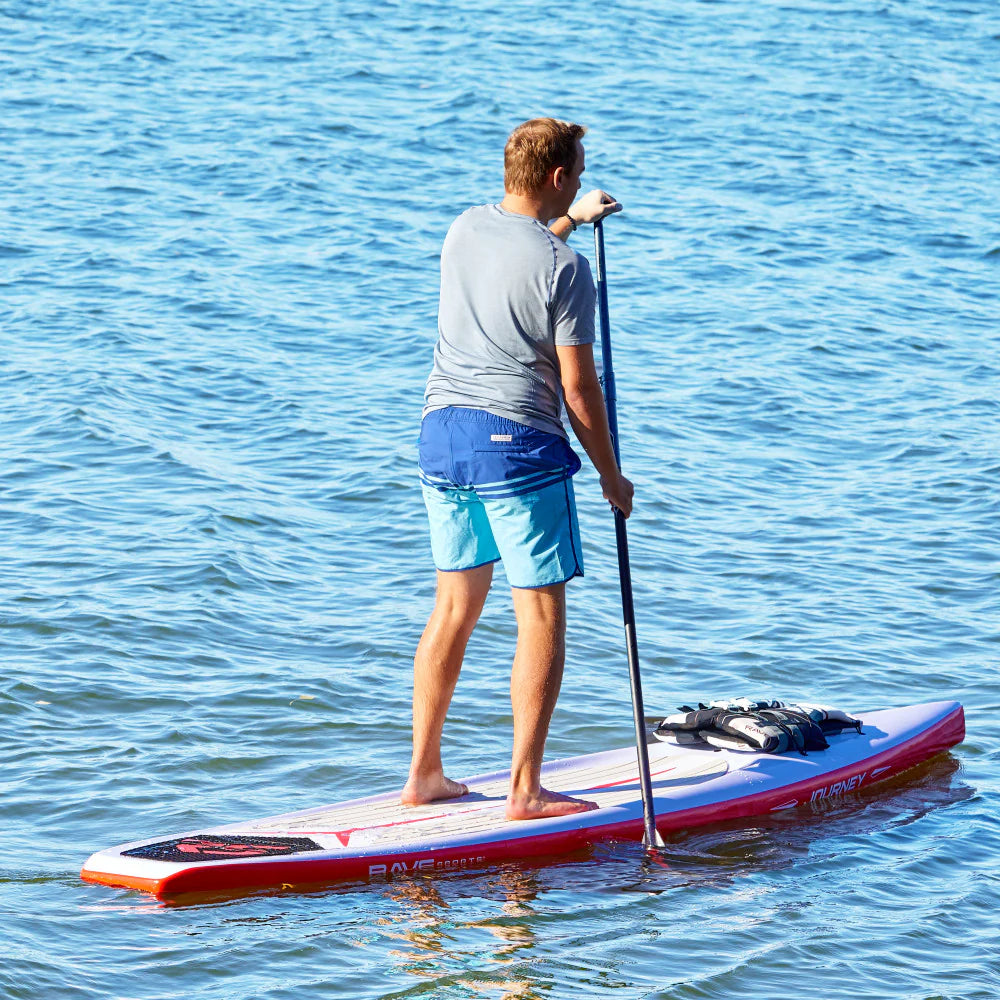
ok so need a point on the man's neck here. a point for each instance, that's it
(520, 204)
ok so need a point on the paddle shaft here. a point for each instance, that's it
(651, 838)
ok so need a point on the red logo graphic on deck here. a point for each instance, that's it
(222, 847)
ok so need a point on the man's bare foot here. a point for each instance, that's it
(545, 804)
(418, 792)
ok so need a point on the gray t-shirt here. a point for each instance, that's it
(510, 292)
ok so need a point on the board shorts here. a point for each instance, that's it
(496, 489)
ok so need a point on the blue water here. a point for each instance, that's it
(217, 309)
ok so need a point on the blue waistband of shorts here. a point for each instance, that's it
(465, 448)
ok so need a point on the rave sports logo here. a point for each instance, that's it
(222, 847)
(424, 865)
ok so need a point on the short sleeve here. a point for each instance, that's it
(572, 305)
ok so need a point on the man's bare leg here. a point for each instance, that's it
(534, 689)
(436, 666)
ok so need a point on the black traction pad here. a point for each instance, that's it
(221, 847)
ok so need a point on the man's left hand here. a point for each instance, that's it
(593, 207)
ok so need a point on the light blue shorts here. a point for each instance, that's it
(535, 534)
(499, 490)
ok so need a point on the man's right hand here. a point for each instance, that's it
(593, 207)
(618, 493)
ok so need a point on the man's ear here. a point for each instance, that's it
(558, 178)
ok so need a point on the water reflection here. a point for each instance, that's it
(428, 931)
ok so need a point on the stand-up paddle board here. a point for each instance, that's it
(376, 838)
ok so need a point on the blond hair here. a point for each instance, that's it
(534, 149)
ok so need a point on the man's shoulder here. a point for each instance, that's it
(474, 214)
(569, 260)
(490, 228)
(495, 218)
(471, 225)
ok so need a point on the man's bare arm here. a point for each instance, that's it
(589, 419)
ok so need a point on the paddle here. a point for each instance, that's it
(652, 837)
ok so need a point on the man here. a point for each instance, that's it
(516, 334)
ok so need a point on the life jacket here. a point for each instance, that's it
(760, 726)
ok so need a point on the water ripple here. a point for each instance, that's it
(218, 283)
